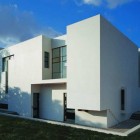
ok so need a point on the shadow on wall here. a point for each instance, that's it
(3, 96)
(3, 53)
(58, 108)
(93, 121)
(54, 113)
(51, 108)
(19, 101)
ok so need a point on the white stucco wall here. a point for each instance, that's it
(46, 47)
(119, 69)
(24, 68)
(51, 102)
(91, 118)
(3, 81)
(83, 62)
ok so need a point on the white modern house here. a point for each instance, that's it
(89, 76)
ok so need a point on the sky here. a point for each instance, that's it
(23, 19)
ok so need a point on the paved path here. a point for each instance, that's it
(124, 126)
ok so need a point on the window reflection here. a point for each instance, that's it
(59, 58)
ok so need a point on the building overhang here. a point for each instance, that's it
(51, 81)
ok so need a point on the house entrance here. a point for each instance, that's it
(65, 106)
(69, 114)
(35, 105)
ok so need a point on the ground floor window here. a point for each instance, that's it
(122, 99)
(3, 106)
(70, 113)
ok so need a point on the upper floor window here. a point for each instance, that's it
(4, 64)
(59, 58)
(46, 60)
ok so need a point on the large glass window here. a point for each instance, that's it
(59, 59)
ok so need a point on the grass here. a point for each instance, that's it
(22, 129)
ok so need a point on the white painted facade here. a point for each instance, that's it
(100, 62)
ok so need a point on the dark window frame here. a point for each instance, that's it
(4, 61)
(46, 59)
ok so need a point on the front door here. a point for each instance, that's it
(36, 105)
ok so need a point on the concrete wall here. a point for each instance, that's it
(24, 68)
(59, 41)
(46, 47)
(51, 102)
(83, 62)
(119, 69)
(91, 118)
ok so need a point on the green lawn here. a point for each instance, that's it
(21, 129)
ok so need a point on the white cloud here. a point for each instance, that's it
(107, 3)
(89, 2)
(17, 26)
(116, 3)
(93, 2)
(7, 41)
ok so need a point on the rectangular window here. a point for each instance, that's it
(3, 106)
(70, 114)
(5, 61)
(5, 69)
(59, 59)
(46, 60)
(4, 65)
(122, 99)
